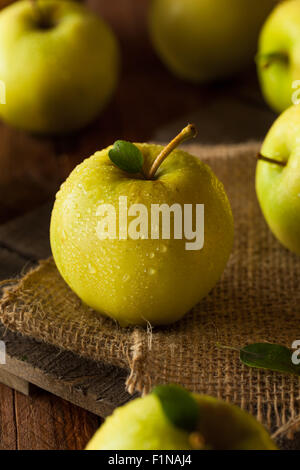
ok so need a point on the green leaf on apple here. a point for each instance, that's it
(269, 356)
(126, 156)
(179, 406)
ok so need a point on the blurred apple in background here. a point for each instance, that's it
(202, 40)
(59, 63)
(278, 58)
(278, 179)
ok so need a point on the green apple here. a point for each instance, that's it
(278, 178)
(202, 40)
(278, 58)
(59, 64)
(143, 424)
(148, 279)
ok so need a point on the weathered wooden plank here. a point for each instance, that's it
(225, 119)
(27, 236)
(96, 387)
(8, 430)
(46, 422)
(11, 263)
(17, 383)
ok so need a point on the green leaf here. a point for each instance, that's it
(126, 156)
(179, 406)
(269, 356)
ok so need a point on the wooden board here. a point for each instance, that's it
(94, 386)
(15, 382)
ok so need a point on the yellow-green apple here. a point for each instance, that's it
(202, 40)
(171, 418)
(278, 58)
(278, 178)
(138, 272)
(59, 64)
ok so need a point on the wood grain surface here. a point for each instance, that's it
(149, 104)
(93, 386)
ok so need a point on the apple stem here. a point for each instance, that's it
(189, 132)
(37, 12)
(265, 60)
(270, 160)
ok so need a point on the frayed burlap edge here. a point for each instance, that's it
(133, 351)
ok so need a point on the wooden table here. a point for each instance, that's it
(149, 104)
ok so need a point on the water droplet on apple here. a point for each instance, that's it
(151, 271)
(91, 269)
(152, 255)
(80, 185)
(163, 248)
(126, 277)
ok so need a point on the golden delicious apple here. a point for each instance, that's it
(148, 424)
(58, 63)
(139, 275)
(278, 178)
(203, 40)
(278, 58)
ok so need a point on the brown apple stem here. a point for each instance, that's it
(189, 132)
(270, 160)
(37, 12)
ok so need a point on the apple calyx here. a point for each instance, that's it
(265, 60)
(270, 160)
(197, 441)
(189, 132)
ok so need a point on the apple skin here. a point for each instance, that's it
(142, 425)
(57, 79)
(278, 187)
(204, 40)
(280, 34)
(145, 280)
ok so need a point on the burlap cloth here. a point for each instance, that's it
(257, 299)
